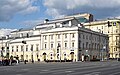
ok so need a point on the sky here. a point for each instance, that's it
(17, 14)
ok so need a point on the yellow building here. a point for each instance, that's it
(111, 27)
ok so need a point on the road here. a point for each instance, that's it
(74, 68)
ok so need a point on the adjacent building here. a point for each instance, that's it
(111, 27)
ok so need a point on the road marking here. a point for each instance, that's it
(68, 71)
(18, 74)
(44, 70)
(101, 69)
(24, 69)
(62, 72)
(78, 68)
(115, 73)
(93, 73)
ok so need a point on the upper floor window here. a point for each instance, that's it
(16, 48)
(83, 36)
(51, 36)
(79, 44)
(37, 47)
(86, 44)
(102, 27)
(65, 44)
(73, 35)
(26, 47)
(22, 48)
(45, 45)
(12, 48)
(83, 45)
(27, 35)
(86, 36)
(73, 44)
(52, 45)
(45, 37)
(58, 36)
(65, 35)
(31, 47)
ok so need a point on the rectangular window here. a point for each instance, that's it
(86, 36)
(45, 37)
(65, 35)
(86, 45)
(79, 44)
(37, 45)
(65, 44)
(73, 44)
(83, 45)
(73, 35)
(89, 46)
(51, 36)
(51, 45)
(31, 47)
(58, 36)
(22, 48)
(12, 48)
(16, 48)
(83, 36)
(45, 45)
(26, 47)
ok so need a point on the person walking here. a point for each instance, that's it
(17, 60)
(82, 57)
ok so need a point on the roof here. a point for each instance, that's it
(22, 29)
(57, 20)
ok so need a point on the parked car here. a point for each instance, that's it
(118, 59)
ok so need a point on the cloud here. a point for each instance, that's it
(99, 8)
(32, 22)
(9, 8)
(4, 32)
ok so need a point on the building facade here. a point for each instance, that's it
(61, 39)
(111, 27)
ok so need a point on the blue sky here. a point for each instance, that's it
(16, 14)
(20, 20)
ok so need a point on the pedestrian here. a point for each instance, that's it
(11, 59)
(25, 61)
(17, 60)
(82, 57)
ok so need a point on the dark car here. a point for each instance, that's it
(14, 61)
(5, 62)
(118, 59)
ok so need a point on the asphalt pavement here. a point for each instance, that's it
(70, 68)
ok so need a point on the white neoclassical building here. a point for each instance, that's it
(60, 39)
